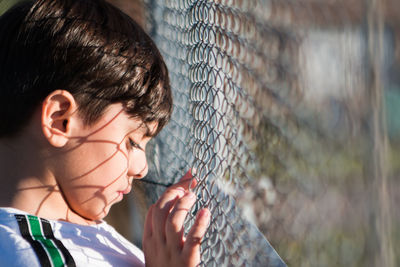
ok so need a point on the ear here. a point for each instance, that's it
(57, 111)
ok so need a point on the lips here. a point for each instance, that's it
(126, 191)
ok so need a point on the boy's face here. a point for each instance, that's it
(99, 162)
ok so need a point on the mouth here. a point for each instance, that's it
(126, 191)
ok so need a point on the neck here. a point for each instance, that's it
(27, 184)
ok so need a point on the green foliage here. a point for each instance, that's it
(6, 4)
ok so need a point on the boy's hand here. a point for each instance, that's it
(163, 241)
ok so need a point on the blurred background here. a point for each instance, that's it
(289, 111)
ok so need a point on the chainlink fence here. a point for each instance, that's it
(286, 110)
(215, 53)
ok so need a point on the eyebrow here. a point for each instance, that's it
(147, 132)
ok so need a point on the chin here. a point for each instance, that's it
(95, 216)
(99, 216)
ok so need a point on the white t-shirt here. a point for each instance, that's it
(26, 240)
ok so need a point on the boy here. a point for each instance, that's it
(82, 90)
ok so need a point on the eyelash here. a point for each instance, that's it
(132, 144)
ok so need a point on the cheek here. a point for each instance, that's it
(109, 169)
(99, 163)
(138, 163)
(95, 179)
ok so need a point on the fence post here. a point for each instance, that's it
(380, 216)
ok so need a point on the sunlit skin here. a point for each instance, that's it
(84, 169)
(163, 241)
(98, 164)
(59, 168)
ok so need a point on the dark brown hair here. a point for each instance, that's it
(87, 47)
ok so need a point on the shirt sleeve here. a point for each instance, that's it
(15, 250)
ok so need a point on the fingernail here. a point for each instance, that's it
(192, 184)
(180, 189)
(180, 192)
(190, 195)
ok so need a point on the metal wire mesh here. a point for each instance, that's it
(275, 109)
(221, 73)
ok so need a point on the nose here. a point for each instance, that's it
(138, 167)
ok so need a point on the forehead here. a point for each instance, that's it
(147, 129)
(116, 116)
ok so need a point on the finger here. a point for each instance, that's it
(176, 218)
(166, 202)
(171, 193)
(188, 175)
(162, 209)
(183, 184)
(191, 247)
(147, 232)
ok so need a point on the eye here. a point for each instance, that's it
(133, 144)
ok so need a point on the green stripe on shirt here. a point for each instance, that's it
(37, 234)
